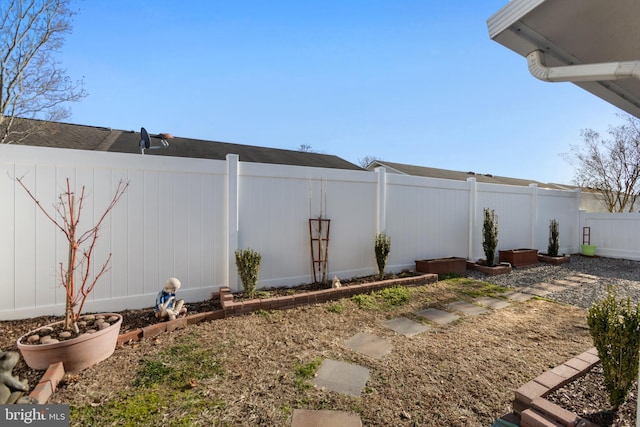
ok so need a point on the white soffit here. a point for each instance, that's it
(576, 32)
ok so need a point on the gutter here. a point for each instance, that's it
(581, 73)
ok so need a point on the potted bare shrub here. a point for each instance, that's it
(78, 341)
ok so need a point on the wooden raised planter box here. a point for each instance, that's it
(519, 257)
(442, 265)
(555, 260)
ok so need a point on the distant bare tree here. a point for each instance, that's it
(32, 86)
(611, 166)
(367, 160)
(305, 148)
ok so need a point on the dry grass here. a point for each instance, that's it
(462, 374)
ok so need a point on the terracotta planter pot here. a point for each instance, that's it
(442, 265)
(75, 354)
(519, 257)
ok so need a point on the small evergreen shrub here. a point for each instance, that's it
(248, 264)
(554, 238)
(615, 327)
(382, 249)
(490, 235)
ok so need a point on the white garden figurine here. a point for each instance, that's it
(167, 306)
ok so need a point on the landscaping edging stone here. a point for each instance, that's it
(52, 376)
(533, 410)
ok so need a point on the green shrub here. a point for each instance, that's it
(382, 249)
(248, 264)
(554, 238)
(490, 235)
(396, 295)
(615, 328)
(366, 301)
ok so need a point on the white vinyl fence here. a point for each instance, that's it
(185, 218)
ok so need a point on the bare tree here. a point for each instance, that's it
(610, 166)
(32, 86)
(367, 160)
(306, 148)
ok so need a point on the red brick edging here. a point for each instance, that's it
(530, 407)
(47, 385)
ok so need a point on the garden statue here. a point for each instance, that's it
(336, 283)
(167, 306)
(8, 382)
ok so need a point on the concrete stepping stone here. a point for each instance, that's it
(582, 279)
(369, 345)
(324, 418)
(406, 327)
(466, 308)
(341, 377)
(566, 282)
(534, 291)
(587, 276)
(493, 303)
(437, 316)
(517, 296)
(549, 287)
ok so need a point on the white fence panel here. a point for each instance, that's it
(615, 235)
(167, 224)
(555, 204)
(185, 217)
(513, 209)
(426, 218)
(275, 205)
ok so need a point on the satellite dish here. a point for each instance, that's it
(145, 140)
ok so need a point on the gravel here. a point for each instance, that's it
(624, 274)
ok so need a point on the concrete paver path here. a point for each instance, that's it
(466, 308)
(341, 377)
(324, 418)
(437, 316)
(369, 345)
(493, 303)
(518, 296)
(406, 327)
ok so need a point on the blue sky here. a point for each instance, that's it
(407, 81)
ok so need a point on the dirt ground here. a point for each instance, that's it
(461, 374)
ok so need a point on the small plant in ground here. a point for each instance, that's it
(264, 294)
(615, 327)
(396, 295)
(382, 250)
(303, 373)
(384, 299)
(554, 238)
(337, 307)
(490, 235)
(367, 301)
(248, 264)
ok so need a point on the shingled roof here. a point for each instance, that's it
(82, 137)
(459, 175)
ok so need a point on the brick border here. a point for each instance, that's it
(533, 410)
(49, 381)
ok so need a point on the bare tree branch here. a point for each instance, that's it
(610, 166)
(32, 86)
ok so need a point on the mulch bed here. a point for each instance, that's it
(587, 397)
